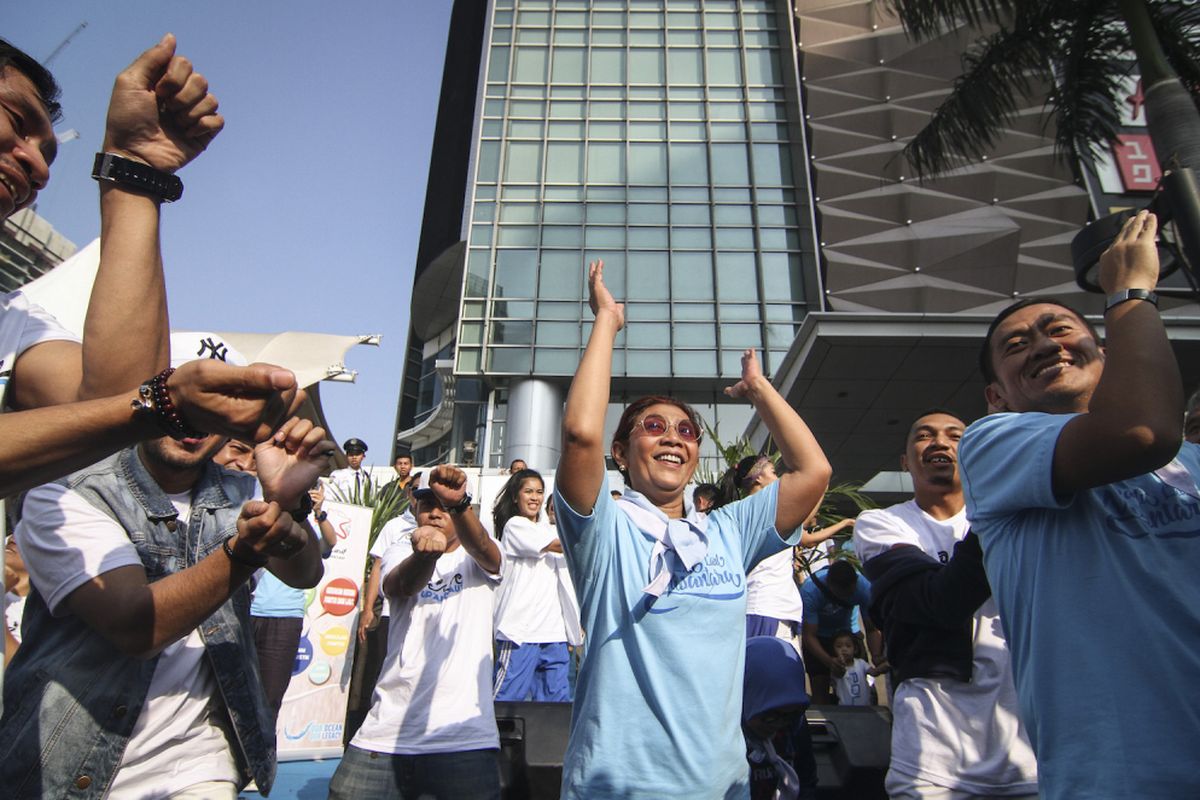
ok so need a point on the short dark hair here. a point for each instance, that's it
(842, 577)
(635, 409)
(985, 354)
(708, 490)
(47, 88)
(929, 412)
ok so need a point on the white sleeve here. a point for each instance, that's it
(524, 538)
(41, 326)
(66, 542)
(877, 531)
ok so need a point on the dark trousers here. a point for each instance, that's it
(277, 640)
(466, 775)
(364, 674)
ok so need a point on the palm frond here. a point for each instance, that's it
(926, 19)
(1092, 62)
(997, 70)
(1178, 29)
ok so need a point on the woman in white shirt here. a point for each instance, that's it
(537, 616)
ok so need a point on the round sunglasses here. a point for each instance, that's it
(655, 425)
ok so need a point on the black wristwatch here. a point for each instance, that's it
(136, 175)
(321, 516)
(300, 513)
(460, 506)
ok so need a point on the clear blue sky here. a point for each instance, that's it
(304, 213)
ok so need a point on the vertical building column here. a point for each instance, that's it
(534, 427)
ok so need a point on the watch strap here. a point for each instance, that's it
(1116, 298)
(301, 512)
(136, 175)
(460, 506)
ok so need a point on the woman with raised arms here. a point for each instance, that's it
(662, 590)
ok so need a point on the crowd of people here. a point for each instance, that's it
(173, 517)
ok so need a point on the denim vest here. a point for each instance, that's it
(71, 699)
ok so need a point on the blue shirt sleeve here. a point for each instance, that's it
(587, 540)
(809, 594)
(754, 519)
(1007, 464)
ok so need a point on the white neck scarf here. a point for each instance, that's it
(680, 541)
(789, 782)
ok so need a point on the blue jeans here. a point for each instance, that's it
(468, 775)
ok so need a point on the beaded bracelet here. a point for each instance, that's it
(154, 398)
(234, 557)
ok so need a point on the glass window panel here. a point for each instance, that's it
(606, 213)
(560, 277)
(527, 108)
(767, 131)
(647, 92)
(724, 66)
(645, 19)
(685, 111)
(567, 109)
(518, 212)
(484, 212)
(762, 66)
(485, 192)
(564, 162)
(563, 192)
(472, 308)
(553, 310)
(693, 311)
(647, 312)
(498, 65)
(561, 334)
(533, 36)
(520, 309)
(729, 131)
(614, 269)
(656, 363)
(689, 163)
(724, 39)
(468, 360)
(520, 192)
(735, 238)
(569, 36)
(684, 37)
(772, 165)
(479, 268)
(685, 65)
(725, 93)
(607, 92)
(733, 215)
(647, 37)
(533, 18)
(605, 237)
(688, 131)
(608, 65)
(515, 272)
(606, 130)
(790, 313)
(471, 333)
(651, 281)
(726, 111)
(647, 110)
(562, 236)
(736, 277)
(647, 194)
(779, 239)
(489, 161)
(730, 165)
(607, 110)
(606, 163)
(571, 19)
(647, 66)
(780, 335)
(731, 362)
(767, 111)
(648, 238)
(523, 161)
(691, 276)
(720, 19)
(566, 130)
(648, 214)
(682, 19)
(689, 214)
(555, 362)
(741, 335)
(508, 359)
(694, 194)
(481, 234)
(608, 36)
(692, 238)
(529, 65)
(782, 276)
(758, 21)
(611, 19)
(777, 215)
(734, 311)
(615, 194)
(648, 334)
(569, 65)
(695, 362)
(647, 162)
(647, 130)
(493, 108)
(503, 17)
(493, 129)
(695, 334)
(518, 236)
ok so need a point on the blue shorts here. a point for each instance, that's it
(538, 672)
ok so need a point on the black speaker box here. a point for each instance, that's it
(533, 739)
(852, 747)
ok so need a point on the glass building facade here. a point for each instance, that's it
(661, 136)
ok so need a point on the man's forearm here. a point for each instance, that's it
(43, 444)
(474, 538)
(126, 333)
(372, 585)
(411, 575)
(303, 570)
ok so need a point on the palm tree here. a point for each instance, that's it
(1077, 48)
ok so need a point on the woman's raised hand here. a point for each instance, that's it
(751, 373)
(599, 298)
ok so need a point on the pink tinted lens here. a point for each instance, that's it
(654, 425)
(687, 431)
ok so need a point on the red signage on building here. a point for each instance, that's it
(1137, 162)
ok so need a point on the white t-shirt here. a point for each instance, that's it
(536, 600)
(175, 744)
(22, 325)
(434, 694)
(393, 531)
(965, 736)
(771, 589)
(854, 688)
(14, 607)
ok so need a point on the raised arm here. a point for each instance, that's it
(814, 538)
(1132, 425)
(581, 467)
(801, 489)
(449, 484)
(161, 114)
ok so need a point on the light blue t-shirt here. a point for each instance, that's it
(274, 598)
(1100, 602)
(658, 702)
(828, 616)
